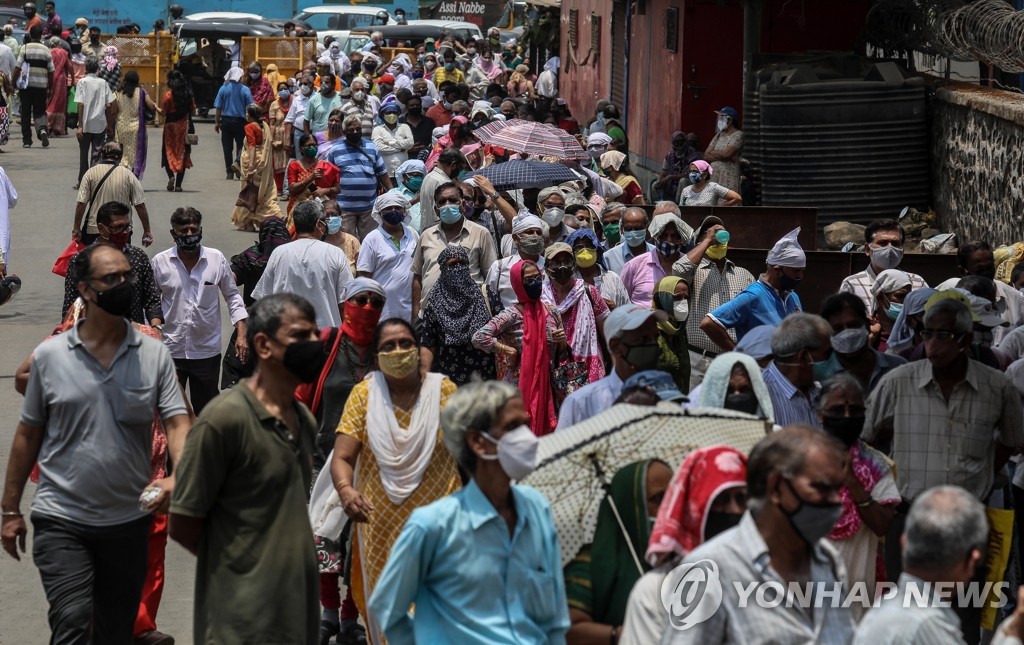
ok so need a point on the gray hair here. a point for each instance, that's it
(613, 207)
(632, 210)
(944, 524)
(352, 119)
(473, 406)
(306, 214)
(842, 382)
(784, 452)
(797, 332)
(667, 206)
(963, 322)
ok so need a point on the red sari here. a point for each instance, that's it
(297, 173)
(57, 106)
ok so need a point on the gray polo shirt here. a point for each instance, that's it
(97, 425)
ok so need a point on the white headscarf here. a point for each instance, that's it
(234, 74)
(787, 252)
(662, 221)
(889, 281)
(522, 223)
(358, 285)
(599, 139)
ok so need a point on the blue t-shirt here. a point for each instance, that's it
(756, 305)
(359, 168)
(232, 99)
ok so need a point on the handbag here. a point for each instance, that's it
(248, 197)
(191, 138)
(60, 267)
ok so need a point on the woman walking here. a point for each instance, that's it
(178, 105)
(278, 111)
(309, 177)
(57, 106)
(130, 130)
(256, 169)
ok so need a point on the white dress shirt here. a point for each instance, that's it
(315, 270)
(190, 303)
(391, 266)
(589, 400)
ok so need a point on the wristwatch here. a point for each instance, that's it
(158, 327)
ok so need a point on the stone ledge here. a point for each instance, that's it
(999, 103)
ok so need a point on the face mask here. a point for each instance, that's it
(533, 288)
(450, 214)
(886, 257)
(188, 242)
(449, 66)
(812, 521)
(120, 240)
(561, 275)
(694, 177)
(414, 111)
(94, 39)
(254, 75)
(987, 273)
(720, 522)
(359, 96)
(333, 224)
(414, 183)
(846, 429)
(635, 238)
(393, 217)
(306, 90)
(471, 51)
(430, 64)
(586, 258)
(399, 363)
(893, 312)
(742, 402)
(643, 357)
(417, 74)
(283, 94)
(721, 123)
(681, 310)
(667, 249)
(787, 283)
(354, 139)
(447, 105)
(305, 359)
(596, 152)
(823, 370)
(531, 245)
(553, 216)
(517, 452)
(309, 151)
(116, 301)
(391, 118)
(850, 341)
(611, 233)
(717, 251)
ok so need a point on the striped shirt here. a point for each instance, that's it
(859, 284)
(40, 64)
(791, 405)
(360, 167)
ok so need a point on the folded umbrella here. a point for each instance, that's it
(525, 174)
(575, 465)
(532, 138)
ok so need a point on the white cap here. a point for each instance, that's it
(629, 317)
(787, 252)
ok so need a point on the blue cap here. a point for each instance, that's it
(729, 112)
(660, 383)
(757, 343)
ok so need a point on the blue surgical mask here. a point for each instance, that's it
(893, 312)
(694, 177)
(450, 214)
(634, 238)
(823, 370)
(284, 94)
(333, 224)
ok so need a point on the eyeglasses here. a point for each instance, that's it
(114, 279)
(844, 410)
(940, 335)
(362, 300)
(127, 228)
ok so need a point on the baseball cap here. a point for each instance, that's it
(953, 294)
(659, 382)
(985, 313)
(729, 112)
(628, 317)
(555, 249)
(389, 79)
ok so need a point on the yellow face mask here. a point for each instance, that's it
(586, 258)
(717, 251)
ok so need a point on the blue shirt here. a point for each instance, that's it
(359, 168)
(470, 581)
(590, 400)
(759, 304)
(616, 257)
(232, 99)
(791, 406)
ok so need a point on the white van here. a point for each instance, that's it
(338, 20)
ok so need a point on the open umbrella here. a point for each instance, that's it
(526, 174)
(574, 465)
(532, 138)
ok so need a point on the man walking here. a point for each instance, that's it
(97, 113)
(362, 168)
(240, 505)
(34, 92)
(106, 182)
(87, 421)
(188, 276)
(231, 102)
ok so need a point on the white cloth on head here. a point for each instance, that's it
(522, 223)
(889, 281)
(599, 139)
(661, 222)
(234, 74)
(390, 200)
(402, 455)
(410, 166)
(787, 252)
(361, 284)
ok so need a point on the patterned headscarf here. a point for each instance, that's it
(455, 300)
(110, 57)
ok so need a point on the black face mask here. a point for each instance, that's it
(415, 111)
(787, 283)
(116, 301)
(188, 242)
(94, 39)
(354, 139)
(533, 288)
(561, 275)
(720, 522)
(846, 429)
(643, 357)
(742, 402)
(305, 359)
(987, 273)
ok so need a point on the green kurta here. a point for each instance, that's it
(256, 576)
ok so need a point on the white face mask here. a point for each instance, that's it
(306, 90)
(681, 310)
(517, 452)
(850, 341)
(886, 257)
(723, 122)
(553, 216)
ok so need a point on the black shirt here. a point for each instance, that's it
(422, 134)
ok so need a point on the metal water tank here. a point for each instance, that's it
(857, 149)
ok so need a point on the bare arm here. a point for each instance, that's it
(732, 198)
(343, 465)
(417, 293)
(21, 376)
(584, 631)
(717, 334)
(24, 453)
(508, 211)
(147, 233)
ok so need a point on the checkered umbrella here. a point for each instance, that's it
(532, 138)
(526, 174)
(574, 465)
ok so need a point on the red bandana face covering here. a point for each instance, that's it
(360, 322)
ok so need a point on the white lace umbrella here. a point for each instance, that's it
(573, 465)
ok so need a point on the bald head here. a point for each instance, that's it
(666, 206)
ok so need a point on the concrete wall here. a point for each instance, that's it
(978, 162)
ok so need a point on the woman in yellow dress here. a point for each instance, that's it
(130, 128)
(389, 458)
(257, 169)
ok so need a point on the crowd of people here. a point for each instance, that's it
(404, 335)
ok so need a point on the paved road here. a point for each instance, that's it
(41, 226)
